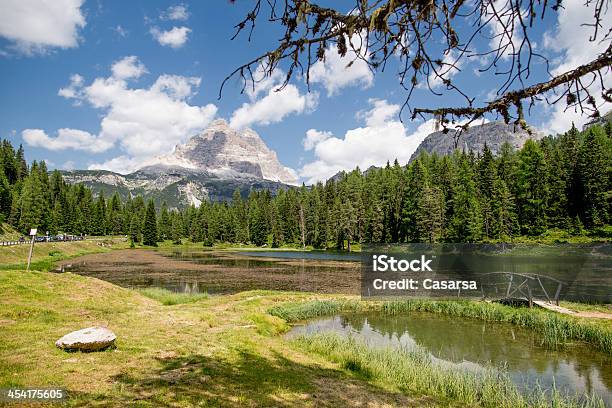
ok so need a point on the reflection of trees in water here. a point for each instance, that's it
(457, 340)
(189, 287)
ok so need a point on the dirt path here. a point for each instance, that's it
(564, 310)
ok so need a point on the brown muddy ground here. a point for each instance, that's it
(216, 272)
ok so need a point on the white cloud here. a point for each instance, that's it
(121, 164)
(380, 113)
(274, 105)
(176, 37)
(66, 139)
(334, 72)
(313, 137)
(142, 122)
(72, 90)
(570, 39)
(176, 86)
(384, 138)
(128, 68)
(176, 13)
(38, 25)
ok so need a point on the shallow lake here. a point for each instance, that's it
(474, 345)
(316, 255)
(221, 272)
(213, 271)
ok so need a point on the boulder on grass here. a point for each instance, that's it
(89, 339)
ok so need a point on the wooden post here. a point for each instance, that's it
(33, 234)
(530, 296)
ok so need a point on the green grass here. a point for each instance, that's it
(46, 254)
(557, 330)
(558, 236)
(168, 298)
(8, 233)
(219, 351)
(414, 372)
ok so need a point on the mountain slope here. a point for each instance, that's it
(494, 134)
(177, 189)
(210, 166)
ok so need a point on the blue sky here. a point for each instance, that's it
(111, 84)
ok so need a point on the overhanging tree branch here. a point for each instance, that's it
(514, 98)
(431, 42)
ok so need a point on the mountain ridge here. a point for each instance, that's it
(216, 162)
(224, 151)
(494, 134)
(209, 166)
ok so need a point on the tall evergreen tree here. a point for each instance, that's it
(165, 224)
(593, 173)
(532, 189)
(33, 210)
(149, 228)
(466, 224)
(135, 232)
(21, 165)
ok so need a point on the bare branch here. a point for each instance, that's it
(413, 30)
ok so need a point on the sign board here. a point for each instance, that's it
(33, 231)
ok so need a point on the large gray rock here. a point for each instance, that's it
(494, 134)
(89, 339)
(223, 150)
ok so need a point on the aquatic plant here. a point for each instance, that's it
(413, 371)
(556, 330)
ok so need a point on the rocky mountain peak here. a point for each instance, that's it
(229, 153)
(494, 134)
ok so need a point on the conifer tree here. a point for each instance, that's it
(135, 231)
(98, 222)
(487, 175)
(33, 210)
(115, 216)
(593, 173)
(532, 189)
(21, 165)
(505, 225)
(176, 232)
(466, 224)
(430, 219)
(165, 224)
(149, 228)
(5, 197)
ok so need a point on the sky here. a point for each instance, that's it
(92, 84)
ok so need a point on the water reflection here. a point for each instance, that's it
(474, 345)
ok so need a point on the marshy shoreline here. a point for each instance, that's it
(230, 350)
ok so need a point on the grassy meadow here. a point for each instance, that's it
(185, 350)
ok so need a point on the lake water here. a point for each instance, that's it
(223, 272)
(462, 343)
(205, 270)
(313, 255)
(474, 345)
